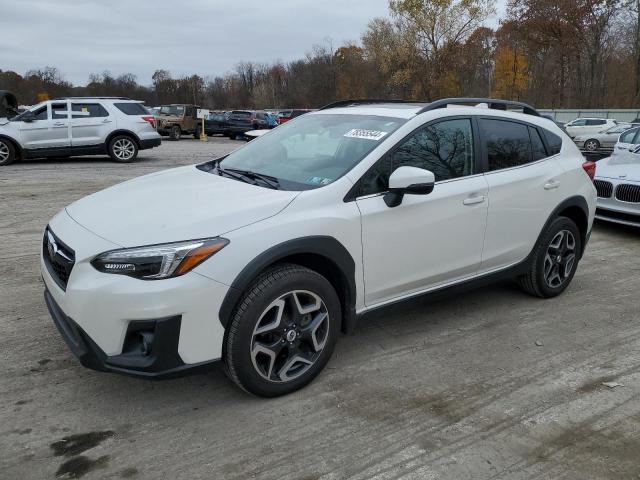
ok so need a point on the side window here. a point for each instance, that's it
(578, 123)
(554, 142)
(41, 113)
(59, 111)
(627, 137)
(508, 143)
(537, 147)
(595, 122)
(88, 110)
(445, 148)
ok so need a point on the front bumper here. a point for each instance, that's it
(160, 362)
(103, 312)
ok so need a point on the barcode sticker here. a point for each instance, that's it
(366, 134)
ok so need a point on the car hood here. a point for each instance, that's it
(4, 120)
(619, 167)
(179, 204)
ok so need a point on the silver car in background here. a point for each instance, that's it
(77, 126)
(603, 140)
(617, 181)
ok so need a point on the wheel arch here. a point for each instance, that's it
(576, 209)
(128, 133)
(15, 144)
(322, 254)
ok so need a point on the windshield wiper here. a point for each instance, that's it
(271, 182)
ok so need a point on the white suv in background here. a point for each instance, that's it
(584, 126)
(262, 257)
(68, 127)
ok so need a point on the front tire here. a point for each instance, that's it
(555, 260)
(591, 145)
(283, 331)
(123, 149)
(175, 133)
(7, 152)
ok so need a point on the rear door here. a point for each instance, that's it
(91, 123)
(524, 188)
(50, 129)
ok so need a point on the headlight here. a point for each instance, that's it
(156, 262)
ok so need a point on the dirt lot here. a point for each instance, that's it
(491, 384)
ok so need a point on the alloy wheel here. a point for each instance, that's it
(591, 145)
(124, 149)
(4, 152)
(560, 259)
(289, 336)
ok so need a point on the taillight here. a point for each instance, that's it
(590, 169)
(151, 120)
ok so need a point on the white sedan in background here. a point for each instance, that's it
(602, 140)
(618, 181)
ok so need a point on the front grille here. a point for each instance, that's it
(605, 189)
(628, 193)
(58, 258)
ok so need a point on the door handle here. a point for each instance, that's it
(106, 120)
(59, 124)
(551, 185)
(474, 200)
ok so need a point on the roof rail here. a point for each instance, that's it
(365, 101)
(493, 103)
(92, 97)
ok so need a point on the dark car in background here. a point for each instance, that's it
(286, 115)
(241, 121)
(217, 123)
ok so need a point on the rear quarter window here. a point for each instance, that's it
(554, 142)
(131, 108)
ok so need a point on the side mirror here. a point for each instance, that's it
(28, 117)
(408, 181)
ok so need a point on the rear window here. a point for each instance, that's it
(554, 142)
(240, 114)
(131, 108)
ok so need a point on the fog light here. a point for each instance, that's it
(146, 343)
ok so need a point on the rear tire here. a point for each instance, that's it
(283, 331)
(123, 149)
(555, 260)
(196, 133)
(175, 133)
(7, 152)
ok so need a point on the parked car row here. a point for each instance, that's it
(181, 119)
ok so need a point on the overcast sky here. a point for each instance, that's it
(207, 37)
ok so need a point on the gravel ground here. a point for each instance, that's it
(491, 384)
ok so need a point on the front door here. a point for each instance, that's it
(428, 240)
(50, 129)
(90, 124)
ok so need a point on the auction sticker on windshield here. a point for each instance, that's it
(365, 134)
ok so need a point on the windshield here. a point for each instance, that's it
(175, 110)
(313, 150)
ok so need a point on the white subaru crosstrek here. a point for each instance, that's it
(77, 126)
(262, 257)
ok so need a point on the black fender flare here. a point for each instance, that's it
(326, 247)
(575, 201)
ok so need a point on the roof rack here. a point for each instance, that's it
(365, 101)
(493, 103)
(92, 97)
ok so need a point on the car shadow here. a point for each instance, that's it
(617, 229)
